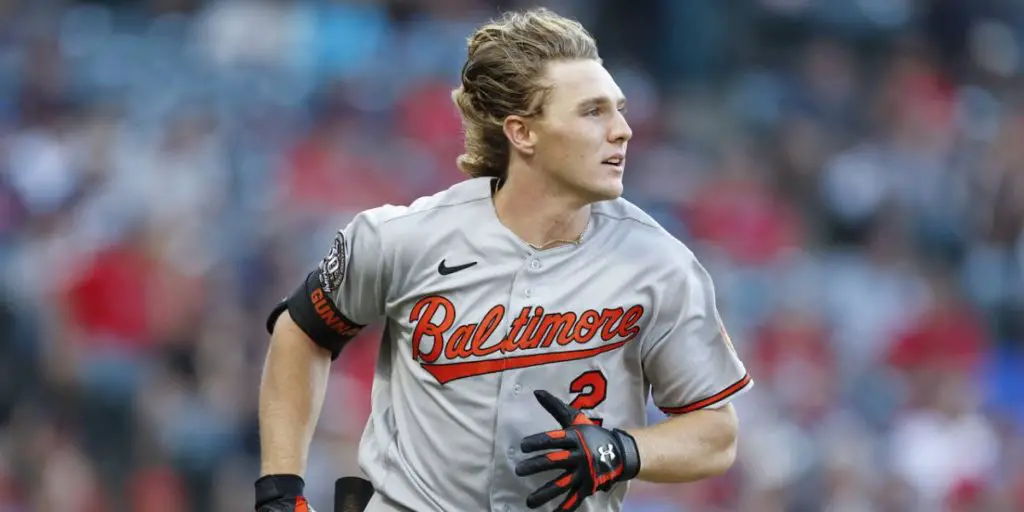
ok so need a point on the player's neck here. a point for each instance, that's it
(539, 214)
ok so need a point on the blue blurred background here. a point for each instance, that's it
(851, 172)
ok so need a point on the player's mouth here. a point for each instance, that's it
(618, 161)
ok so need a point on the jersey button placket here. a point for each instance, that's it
(510, 390)
(524, 275)
(533, 266)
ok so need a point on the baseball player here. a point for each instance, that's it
(529, 312)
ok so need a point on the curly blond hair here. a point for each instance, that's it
(501, 77)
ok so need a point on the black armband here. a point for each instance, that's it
(317, 315)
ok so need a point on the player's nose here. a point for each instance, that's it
(619, 131)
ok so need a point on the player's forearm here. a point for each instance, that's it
(291, 393)
(690, 447)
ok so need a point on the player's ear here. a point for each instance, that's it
(520, 134)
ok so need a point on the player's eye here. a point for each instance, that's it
(593, 112)
(622, 110)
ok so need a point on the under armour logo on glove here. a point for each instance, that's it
(588, 455)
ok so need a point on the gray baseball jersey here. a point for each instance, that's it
(475, 319)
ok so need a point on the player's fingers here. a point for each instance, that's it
(562, 413)
(571, 502)
(561, 459)
(552, 490)
(553, 440)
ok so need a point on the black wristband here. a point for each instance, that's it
(630, 455)
(275, 487)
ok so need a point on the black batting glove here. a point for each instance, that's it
(592, 458)
(281, 493)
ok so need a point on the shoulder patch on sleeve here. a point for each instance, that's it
(332, 268)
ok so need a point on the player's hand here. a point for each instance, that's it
(592, 458)
(281, 493)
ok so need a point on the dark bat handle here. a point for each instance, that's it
(352, 494)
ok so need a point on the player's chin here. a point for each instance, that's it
(608, 187)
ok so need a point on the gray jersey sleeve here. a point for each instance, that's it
(690, 360)
(355, 272)
(347, 290)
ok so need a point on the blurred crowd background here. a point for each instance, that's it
(850, 171)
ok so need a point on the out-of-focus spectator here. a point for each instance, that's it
(738, 213)
(945, 450)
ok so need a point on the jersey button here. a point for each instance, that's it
(516, 389)
(527, 292)
(535, 264)
(511, 451)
